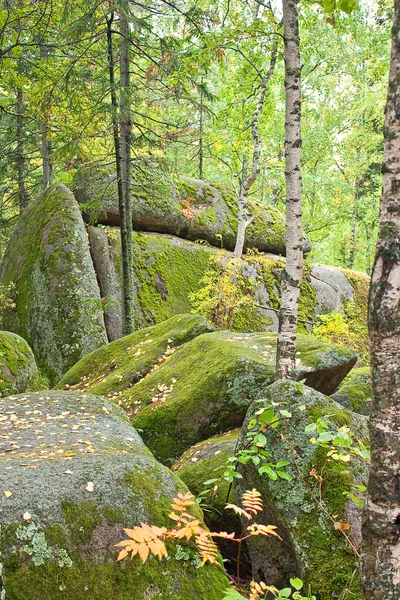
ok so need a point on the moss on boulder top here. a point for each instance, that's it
(188, 208)
(18, 369)
(312, 511)
(354, 393)
(57, 299)
(58, 532)
(118, 366)
(182, 395)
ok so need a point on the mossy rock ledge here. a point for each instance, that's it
(354, 393)
(311, 547)
(192, 209)
(58, 536)
(18, 368)
(179, 396)
(116, 367)
(48, 272)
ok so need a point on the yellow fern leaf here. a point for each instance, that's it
(239, 511)
(252, 501)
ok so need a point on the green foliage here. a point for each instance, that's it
(347, 329)
(226, 296)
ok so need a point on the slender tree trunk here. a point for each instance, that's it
(126, 135)
(248, 180)
(380, 564)
(201, 131)
(293, 272)
(23, 197)
(352, 254)
(126, 261)
(46, 144)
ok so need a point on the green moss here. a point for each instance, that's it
(303, 510)
(206, 386)
(56, 294)
(18, 370)
(355, 391)
(117, 366)
(204, 461)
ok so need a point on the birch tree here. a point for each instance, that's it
(249, 178)
(291, 275)
(380, 565)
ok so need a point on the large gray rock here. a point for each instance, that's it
(188, 208)
(57, 300)
(18, 369)
(74, 474)
(311, 514)
(206, 386)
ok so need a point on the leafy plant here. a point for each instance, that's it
(226, 296)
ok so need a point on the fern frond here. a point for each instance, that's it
(252, 501)
(239, 511)
(258, 529)
(207, 548)
(143, 540)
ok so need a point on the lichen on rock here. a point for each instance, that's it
(59, 532)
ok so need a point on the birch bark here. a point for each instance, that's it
(380, 563)
(293, 272)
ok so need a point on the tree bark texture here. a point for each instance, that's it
(126, 135)
(293, 272)
(248, 179)
(23, 197)
(46, 144)
(380, 563)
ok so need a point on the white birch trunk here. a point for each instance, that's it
(293, 272)
(244, 216)
(380, 563)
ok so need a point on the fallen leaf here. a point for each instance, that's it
(7, 494)
(27, 516)
(341, 526)
(90, 486)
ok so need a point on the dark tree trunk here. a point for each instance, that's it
(126, 135)
(46, 144)
(293, 272)
(23, 197)
(380, 564)
(125, 227)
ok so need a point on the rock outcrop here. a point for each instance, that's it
(187, 208)
(57, 300)
(314, 515)
(75, 473)
(354, 393)
(18, 369)
(181, 387)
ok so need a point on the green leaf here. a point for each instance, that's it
(296, 583)
(284, 475)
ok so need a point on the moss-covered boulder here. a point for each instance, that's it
(354, 393)
(175, 276)
(47, 267)
(188, 208)
(206, 386)
(18, 369)
(116, 367)
(206, 461)
(73, 475)
(317, 521)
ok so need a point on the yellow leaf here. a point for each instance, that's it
(90, 486)
(143, 552)
(7, 494)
